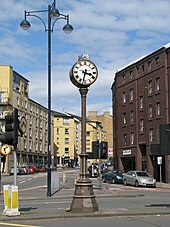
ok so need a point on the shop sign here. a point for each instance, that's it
(127, 152)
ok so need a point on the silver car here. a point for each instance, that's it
(138, 178)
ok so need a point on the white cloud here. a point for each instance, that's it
(113, 33)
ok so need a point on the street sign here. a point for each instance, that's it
(23, 125)
(5, 149)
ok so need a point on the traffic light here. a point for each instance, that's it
(95, 149)
(10, 136)
(104, 149)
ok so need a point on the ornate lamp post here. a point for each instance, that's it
(52, 13)
(83, 74)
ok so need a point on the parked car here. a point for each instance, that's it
(33, 169)
(26, 169)
(112, 176)
(93, 170)
(52, 167)
(41, 168)
(20, 171)
(138, 178)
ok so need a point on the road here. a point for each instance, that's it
(156, 198)
(142, 221)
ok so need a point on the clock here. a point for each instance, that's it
(83, 73)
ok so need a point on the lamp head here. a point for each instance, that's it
(68, 28)
(25, 25)
(54, 13)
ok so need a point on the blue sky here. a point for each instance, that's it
(113, 33)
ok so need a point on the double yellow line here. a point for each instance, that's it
(17, 225)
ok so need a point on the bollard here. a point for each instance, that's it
(11, 200)
(64, 178)
(76, 179)
(6, 194)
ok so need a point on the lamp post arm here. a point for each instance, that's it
(34, 15)
(62, 17)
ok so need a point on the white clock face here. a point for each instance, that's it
(85, 72)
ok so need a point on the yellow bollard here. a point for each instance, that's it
(6, 196)
(11, 200)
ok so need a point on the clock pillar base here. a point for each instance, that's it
(84, 199)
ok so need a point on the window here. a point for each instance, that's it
(58, 141)
(1, 97)
(141, 102)
(31, 119)
(88, 142)
(66, 130)
(131, 95)
(124, 139)
(66, 140)
(18, 101)
(158, 84)
(150, 87)
(158, 109)
(30, 107)
(58, 131)
(30, 132)
(149, 66)
(132, 138)
(124, 118)
(123, 78)
(131, 75)
(25, 104)
(157, 61)
(142, 125)
(88, 133)
(151, 135)
(150, 111)
(131, 116)
(66, 150)
(143, 69)
(138, 71)
(124, 97)
(65, 121)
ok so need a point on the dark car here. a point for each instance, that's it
(112, 176)
(93, 170)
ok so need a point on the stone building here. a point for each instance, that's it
(141, 114)
(14, 93)
(107, 124)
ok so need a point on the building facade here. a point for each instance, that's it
(106, 121)
(67, 139)
(141, 105)
(14, 93)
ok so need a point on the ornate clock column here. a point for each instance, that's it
(84, 199)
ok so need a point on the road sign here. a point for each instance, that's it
(5, 149)
(23, 125)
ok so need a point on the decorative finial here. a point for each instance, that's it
(83, 56)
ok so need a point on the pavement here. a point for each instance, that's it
(66, 192)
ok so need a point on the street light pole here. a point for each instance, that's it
(49, 106)
(52, 12)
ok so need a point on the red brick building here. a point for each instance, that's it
(141, 114)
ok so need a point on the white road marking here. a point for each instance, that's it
(21, 182)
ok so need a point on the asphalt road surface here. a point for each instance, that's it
(137, 221)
